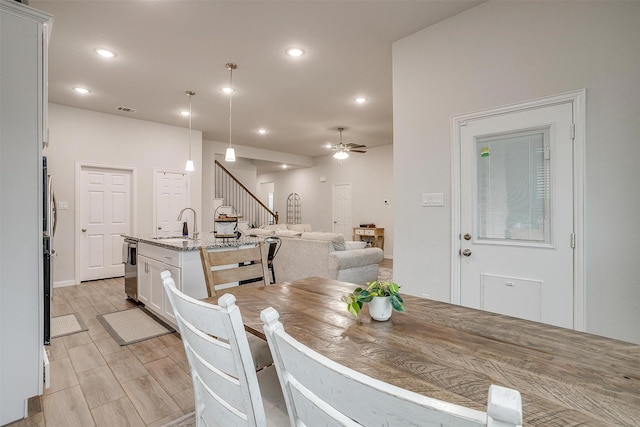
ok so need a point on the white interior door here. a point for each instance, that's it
(267, 190)
(105, 213)
(171, 196)
(342, 210)
(516, 214)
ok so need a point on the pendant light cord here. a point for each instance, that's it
(190, 94)
(231, 68)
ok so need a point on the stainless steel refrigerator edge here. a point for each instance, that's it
(49, 222)
(130, 260)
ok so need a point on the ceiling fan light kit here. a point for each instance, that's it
(342, 150)
(341, 155)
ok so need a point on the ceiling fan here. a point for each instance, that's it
(342, 150)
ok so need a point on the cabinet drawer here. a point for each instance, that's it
(369, 232)
(167, 256)
(360, 232)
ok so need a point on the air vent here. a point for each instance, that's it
(126, 109)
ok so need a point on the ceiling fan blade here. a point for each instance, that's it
(357, 151)
(352, 145)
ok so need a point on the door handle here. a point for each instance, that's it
(84, 230)
(159, 228)
(466, 252)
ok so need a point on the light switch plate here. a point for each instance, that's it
(63, 205)
(432, 199)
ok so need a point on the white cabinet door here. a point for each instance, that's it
(143, 279)
(151, 290)
(156, 290)
(168, 309)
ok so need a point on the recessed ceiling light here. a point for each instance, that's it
(82, 90)
(285, 166)
(228, 89)
(262, 131)
(360, 99)
(185, 113)
(106, 53)
(295, 52)
(328, 145)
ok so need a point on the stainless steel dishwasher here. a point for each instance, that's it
(130, 260)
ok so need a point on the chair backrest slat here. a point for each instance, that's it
(218, 349)
(234, 265)
(317, 388)
(247, 272)
(222, 369)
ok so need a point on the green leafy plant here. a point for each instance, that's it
(377, 288)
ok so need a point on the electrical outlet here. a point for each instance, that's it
(63, 205)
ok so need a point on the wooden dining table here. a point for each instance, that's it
(453, 353)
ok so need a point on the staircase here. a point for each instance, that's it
(248, 207)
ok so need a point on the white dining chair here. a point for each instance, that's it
(319, 391)
(226, 385)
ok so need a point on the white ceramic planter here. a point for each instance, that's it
(380, 308)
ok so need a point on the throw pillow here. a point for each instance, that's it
(303, 228)
(288, 233)
(336, 238)
(354, 244)
(275, 227)
(260, 232)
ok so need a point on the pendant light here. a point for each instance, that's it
(230, 154)
(190, 166)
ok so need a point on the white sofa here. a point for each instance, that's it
(325, 255)
(279, 230)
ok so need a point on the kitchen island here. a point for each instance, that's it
(181, 256)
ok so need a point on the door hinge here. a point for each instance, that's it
(572, 131)
(573, 240)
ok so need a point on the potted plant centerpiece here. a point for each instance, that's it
(382, 297)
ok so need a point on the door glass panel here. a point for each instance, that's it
(512, 188)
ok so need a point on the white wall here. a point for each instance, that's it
(78, 135)
(371, 179)
(504, 52)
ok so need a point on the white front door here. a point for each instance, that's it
(104, 214)
(342, 210)
(171, 196)
(517, 213)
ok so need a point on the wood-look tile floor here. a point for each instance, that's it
(97, 382)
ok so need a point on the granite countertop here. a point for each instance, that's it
(179, 243)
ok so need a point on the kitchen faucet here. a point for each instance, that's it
(195, 221)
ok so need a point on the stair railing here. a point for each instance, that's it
(234, 193)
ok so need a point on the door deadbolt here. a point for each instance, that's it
(467, 236)
(466, 252)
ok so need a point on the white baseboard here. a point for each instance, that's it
(64, 283)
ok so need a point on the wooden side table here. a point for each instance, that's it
(375, 236)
